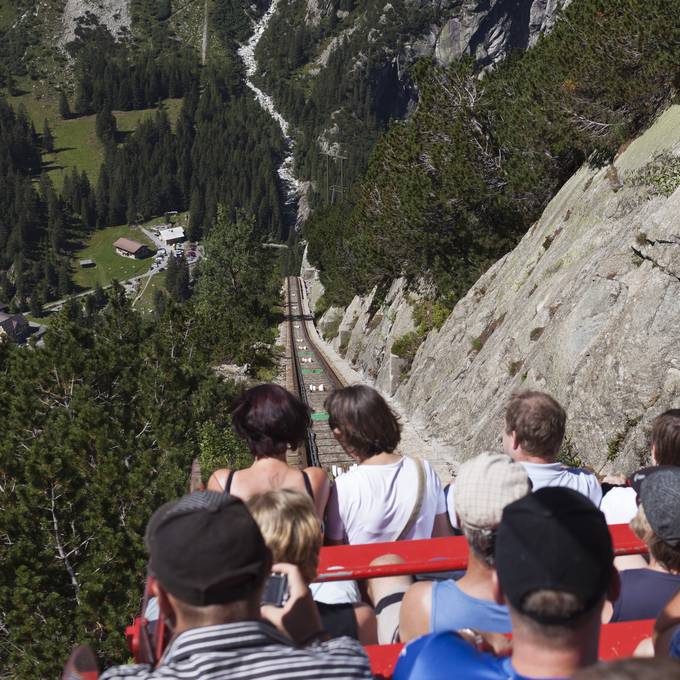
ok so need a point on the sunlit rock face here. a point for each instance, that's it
(586, 307)
(490, 29)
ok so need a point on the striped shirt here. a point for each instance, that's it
(250, 650)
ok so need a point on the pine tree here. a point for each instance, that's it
(64, 107)
(171, 275)
(36, 305)
(99, 297)
(47, 138)
(106, 126)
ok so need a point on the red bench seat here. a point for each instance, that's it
(617, 640)
(432, 555)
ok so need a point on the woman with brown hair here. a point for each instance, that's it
(271, 420)
(387, 497)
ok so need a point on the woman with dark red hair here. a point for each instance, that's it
(271, 420)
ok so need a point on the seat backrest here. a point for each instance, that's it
(432, 555)
(617, 640)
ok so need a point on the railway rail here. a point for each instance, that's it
(314, 377)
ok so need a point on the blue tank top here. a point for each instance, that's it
(453, 609)
(644, 593)
(443, 656)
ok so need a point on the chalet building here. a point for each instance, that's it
(129, 248)
(13, 326)
(172, 235)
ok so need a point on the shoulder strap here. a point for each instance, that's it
(230, 479)
(415, 512)
(308, 484)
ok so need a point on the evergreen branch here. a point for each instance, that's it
(60, 549)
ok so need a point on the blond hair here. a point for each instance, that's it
(290, 527)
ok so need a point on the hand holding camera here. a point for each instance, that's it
(298, 617)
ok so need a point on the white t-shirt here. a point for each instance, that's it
(335, 592)
(619, 505)
(556, 474)
(372, 503)
(548, 474)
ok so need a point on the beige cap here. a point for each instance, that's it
(485, 485)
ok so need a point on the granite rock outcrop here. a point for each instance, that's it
(586, 307)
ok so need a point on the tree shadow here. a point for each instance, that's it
(122, 136)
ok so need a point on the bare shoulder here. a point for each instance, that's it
(415, 611)
(317, 476)
(419, 592)
(218, 480)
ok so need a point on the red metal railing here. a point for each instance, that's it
(451, 554)
(617, 640)
(420, 557)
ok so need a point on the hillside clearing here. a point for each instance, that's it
(75, 141)
(110, 266)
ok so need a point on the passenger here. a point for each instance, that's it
(666, 634)
(271, 420)
(554, 560)
(533, 434)
(631, 669)
(386, 497)
(294, 534)
(620, 504)
(210, 564)
(644, 592)
(484, 486)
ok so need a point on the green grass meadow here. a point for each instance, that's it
(8, 13)
(110, 265)
(75, 141)
(145, 301)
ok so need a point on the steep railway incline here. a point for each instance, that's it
(313, 377)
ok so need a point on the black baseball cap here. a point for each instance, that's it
(660, 499)
(206, 548)
(553, 539)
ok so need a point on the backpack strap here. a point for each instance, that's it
(417, 506)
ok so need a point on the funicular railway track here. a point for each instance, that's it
(314, 377)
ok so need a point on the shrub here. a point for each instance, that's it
(332, 329)
(220, 448)
(406, 346)
(661, 175)
(321, 306)
(513, 368)
(569, 455)
(429, 314)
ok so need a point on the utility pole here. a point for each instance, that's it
(340, 188)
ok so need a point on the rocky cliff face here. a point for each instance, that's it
(486, 29)
(490, 29)
(114, 14)
(586, 307)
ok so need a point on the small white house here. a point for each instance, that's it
(172, 235)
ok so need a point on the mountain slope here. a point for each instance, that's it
(585, 307)
(343, 71)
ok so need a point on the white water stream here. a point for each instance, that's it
(290, 182)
